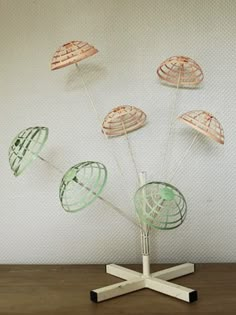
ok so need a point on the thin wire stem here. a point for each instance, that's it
(93, 106)
(121, 212)
(107, 202)
(179, 165)
(186, 153)
(90, 98)
(142, 181)
(130, 148)
(172, 120)
(98, 119)
(50, 164)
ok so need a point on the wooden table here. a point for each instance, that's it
(64, 290)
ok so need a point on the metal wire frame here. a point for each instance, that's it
(25, 148)
(159, 209)
(81, 185)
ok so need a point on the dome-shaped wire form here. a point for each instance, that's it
(81, 185)
(160, 205)
(205, 123)
(70, 53)
(26, 147)
(123, 119)
(180, 71)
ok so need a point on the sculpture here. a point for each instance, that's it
(158, 204)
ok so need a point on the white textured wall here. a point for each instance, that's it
(133, 38)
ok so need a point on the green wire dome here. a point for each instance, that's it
(160, 205)
(81, 185)
(26, 147)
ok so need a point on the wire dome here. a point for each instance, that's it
(160, 205)
(180, 71)
(205, 123)
(70, 53)
(81, 185)
(26, 147)
(123, 119)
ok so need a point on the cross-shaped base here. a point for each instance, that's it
(157, 281)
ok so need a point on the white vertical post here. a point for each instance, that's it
(145, 235)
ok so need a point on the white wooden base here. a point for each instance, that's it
(157, 281)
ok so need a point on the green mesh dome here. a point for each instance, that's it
(25, 148)
(160, 205)
(81, 185)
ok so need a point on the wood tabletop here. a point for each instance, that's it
(65, 290)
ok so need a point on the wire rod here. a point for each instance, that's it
(172, 120)
(130, 149)
(179, 165)
(107, 202)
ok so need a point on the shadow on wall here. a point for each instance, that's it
(197, 87)
(91, 73)
(206, 145)
(53, 163)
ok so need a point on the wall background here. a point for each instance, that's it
(133, 38)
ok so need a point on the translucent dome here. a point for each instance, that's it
(70, 53)
(123, 119)
(180, 71)
(81, 185)
(160, 205)
(25, 148)
(205, 123)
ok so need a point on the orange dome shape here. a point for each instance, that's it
(70, 53)
(205, 123)
(123, 119)
(180, 71)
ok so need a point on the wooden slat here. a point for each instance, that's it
(123, 119)
(205, 123)
(70, 53)
(180, 70)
